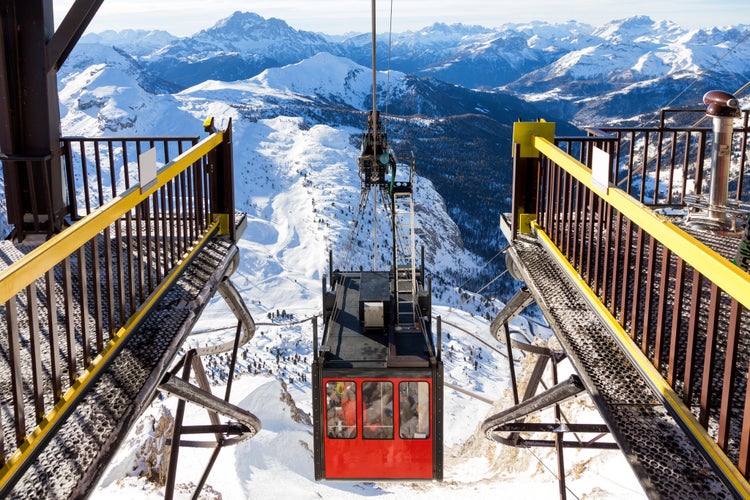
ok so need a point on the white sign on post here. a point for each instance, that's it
(147, 169)
(600, 169)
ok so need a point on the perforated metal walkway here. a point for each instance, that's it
(663, 456)
(72, 461)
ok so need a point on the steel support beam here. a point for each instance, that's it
(70, 31)
(556, 394)
(30, 53)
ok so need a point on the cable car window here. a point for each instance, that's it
(341, 410)
(414, 410)
(377, 410)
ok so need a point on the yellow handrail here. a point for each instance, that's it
(90, 373)
(26, 270)
(710, 264)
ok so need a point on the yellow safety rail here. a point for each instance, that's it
(20, 274)
(734, 281)
(16, 277)
(712, 265)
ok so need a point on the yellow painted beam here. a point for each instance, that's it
(525, 132)
(647, 369)
(20, 274)
(91, 373)
(524, 222)
(710, 264)
(224, 222)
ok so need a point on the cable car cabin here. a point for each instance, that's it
(377, 384)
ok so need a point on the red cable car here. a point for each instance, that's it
(377, 384)
(377, 375)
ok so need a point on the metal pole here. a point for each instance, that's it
(421, 267)
(723, 108)
(177, 432)
(374, 144)
(511, 365)
(720, 161)
(374, 226)
(439, 337)
(559, 440)
(316, 353)
(374, 83)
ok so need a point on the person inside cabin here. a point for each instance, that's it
(349, 413)
(341, 410)
(409, 416)
(377, 404)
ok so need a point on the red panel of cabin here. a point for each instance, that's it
(378, 428)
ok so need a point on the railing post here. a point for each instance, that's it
(222, 185)
(525, 172)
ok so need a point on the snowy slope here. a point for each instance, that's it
(103, 91)
(297, 181)
(331, 77)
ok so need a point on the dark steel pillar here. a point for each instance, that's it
(222, 168)
(30, 116)
(31, 52)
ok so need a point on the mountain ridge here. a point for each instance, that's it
(569, 61)
(459, 135)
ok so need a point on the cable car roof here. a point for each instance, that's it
(355, 339)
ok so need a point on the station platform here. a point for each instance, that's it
(70, 461)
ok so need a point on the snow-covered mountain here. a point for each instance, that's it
(583, 73)
(264, 68)
(283, 147)
(137, 43)
(636, 66)
(104, 91)
(238, 47)
(428, 119)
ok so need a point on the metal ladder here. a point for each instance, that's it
(405, 265)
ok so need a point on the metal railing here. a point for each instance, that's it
(69, 304)
(102, 168)
(681, 305)
(666, 165)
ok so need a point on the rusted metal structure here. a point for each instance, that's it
(111, 299)
(646, 302)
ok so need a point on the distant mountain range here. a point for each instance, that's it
(460, 138)
(583, 73)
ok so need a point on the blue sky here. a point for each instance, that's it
(185, 17)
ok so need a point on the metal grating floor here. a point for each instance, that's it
(663, 457)
(73, 460)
